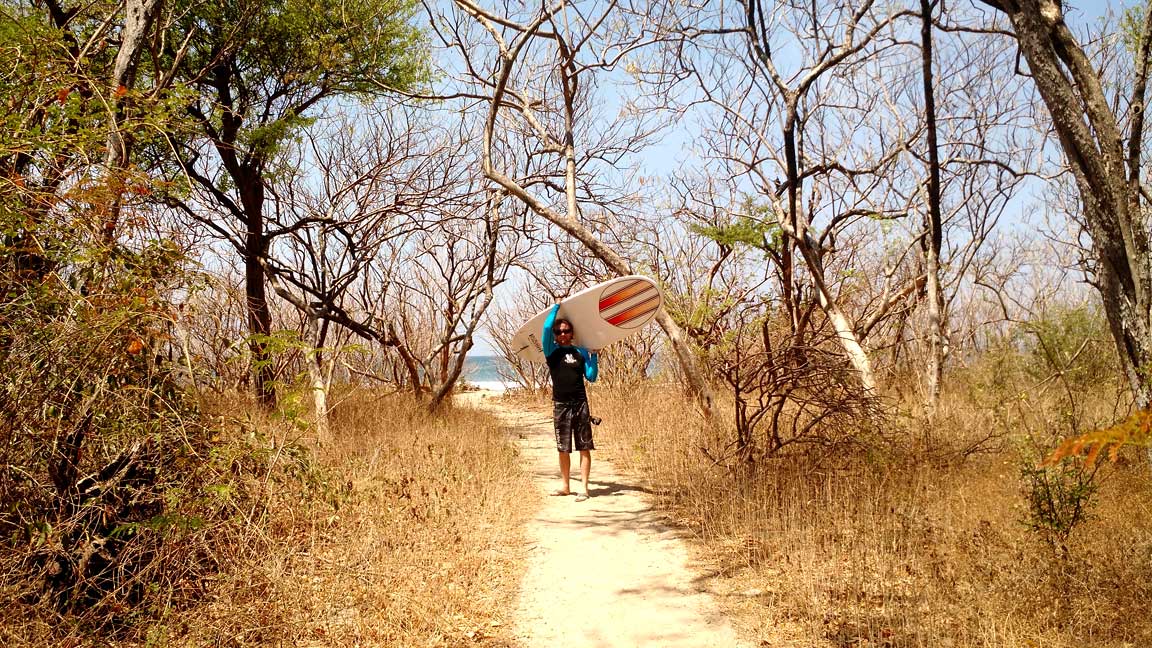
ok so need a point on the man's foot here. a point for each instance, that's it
(560, 493)
(581, 497)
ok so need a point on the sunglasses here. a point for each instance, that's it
(563, 331)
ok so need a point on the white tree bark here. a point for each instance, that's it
(138, 19)
(317, 374)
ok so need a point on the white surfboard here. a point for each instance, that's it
(600, 315)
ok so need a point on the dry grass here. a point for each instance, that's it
(405, 533)
(895, 547)
(421, 549)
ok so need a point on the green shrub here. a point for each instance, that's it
(1059, 499)
(1072, 340)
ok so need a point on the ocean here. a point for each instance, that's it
(485, 372)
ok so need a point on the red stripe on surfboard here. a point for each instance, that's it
(628, 291)
(639, 310)
(637, 298)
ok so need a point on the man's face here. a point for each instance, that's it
(563, 334)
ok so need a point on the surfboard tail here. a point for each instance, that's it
(630, 304)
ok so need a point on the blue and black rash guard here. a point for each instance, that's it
(569, 365)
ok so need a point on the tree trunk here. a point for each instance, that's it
(1090, 135)
(451, 375)
(255, 291)
(259, 328)
(795, 227)
(319, 383)
(934, 240)
(409, 360)
(138, 18)
(319, 398)
(1107, 173)
(848, 341)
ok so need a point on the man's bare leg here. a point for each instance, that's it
(585, 468)
(565, 473)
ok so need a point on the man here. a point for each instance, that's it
(569, 366)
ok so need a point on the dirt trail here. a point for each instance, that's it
(608, 571)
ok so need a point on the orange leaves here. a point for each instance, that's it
(63, 93)
(139, 189)
(1135, 430)
(135, 346)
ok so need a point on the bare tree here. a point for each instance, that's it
(815, 121)
(502, 326)
(793, 127)
(460, 263)
(360, 181)
(381, 197)
(536, 84)
(256, 73)
(977, 151)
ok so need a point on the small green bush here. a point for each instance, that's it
(1059, 500)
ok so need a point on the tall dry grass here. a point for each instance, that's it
(410, 539)
(919, 543)
(404, 533)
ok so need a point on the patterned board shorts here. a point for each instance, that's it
(573, 423)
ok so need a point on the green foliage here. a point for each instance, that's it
(745, 231)
(115, 489)
(704, 309)
(278, 59)
(1068, 347)
(95, 427)
(1059, 497)
(1040, 381)
(1131, 26)
(1040, 371)
(261, 71)
(110, 484)
(48, 122)
(756, 230)
(1074, 341)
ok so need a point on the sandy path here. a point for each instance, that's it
(605, 572)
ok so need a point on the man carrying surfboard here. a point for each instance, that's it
(569, 366)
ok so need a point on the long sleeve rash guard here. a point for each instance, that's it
(564, 363)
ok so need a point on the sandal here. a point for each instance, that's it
(581, 497)
(560, 493)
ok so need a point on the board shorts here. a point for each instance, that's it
(573, 425)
